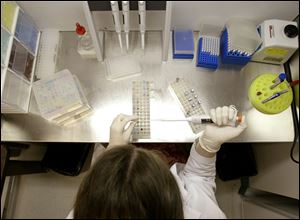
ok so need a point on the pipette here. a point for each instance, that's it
(142, 21)
(203, 119)
(116, 17)
(125, 9)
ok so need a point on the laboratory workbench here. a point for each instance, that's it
(227, 85)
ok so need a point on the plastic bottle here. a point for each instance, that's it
(85, 44)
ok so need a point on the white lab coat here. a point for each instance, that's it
(196, 181)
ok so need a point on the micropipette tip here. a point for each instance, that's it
(120, 40)
(127, 41)
(143, 41)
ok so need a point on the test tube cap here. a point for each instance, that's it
(282, 76)
(80, 30)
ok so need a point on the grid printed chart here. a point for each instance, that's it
(141, 108)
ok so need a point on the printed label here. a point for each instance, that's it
(278, 52)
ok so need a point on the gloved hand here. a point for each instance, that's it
(118, 134)
(216, 134)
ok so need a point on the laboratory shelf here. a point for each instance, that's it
(21, 61)
(26, 32)
(19, 46)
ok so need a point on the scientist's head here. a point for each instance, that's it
(129, 182)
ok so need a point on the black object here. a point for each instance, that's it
(291, 31)
(235, 160)
(288, 73)
(11, 167)
(244, 185)
(133, 5)
(66, 158)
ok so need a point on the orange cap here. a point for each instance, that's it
(239, 118)
(80, 30)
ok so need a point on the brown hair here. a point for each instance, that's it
(129, 182)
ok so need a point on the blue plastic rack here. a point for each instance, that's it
(205, 57)
(232, 57)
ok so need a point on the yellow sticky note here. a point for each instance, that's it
(276, 52)
(8, 11)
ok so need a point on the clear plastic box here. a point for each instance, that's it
(16, 91)
(60, 98)
(243, 35)
(121, 67)
(49, 43)
(210, 30)
(21, 61)
(183, 41)
(26, 32)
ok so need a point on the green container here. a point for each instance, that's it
(259, 90)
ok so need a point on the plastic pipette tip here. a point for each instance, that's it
(127, 41)
(120, 40)
(143, 41)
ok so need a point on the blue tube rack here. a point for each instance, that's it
(206, 59)
(231, 57)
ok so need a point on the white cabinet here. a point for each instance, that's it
(277, 173)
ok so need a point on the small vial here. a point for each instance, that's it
(278, 80)
(85, 40)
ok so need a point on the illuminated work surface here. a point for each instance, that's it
(228, 85)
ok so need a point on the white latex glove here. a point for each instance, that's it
(118, 134)
(216, 134)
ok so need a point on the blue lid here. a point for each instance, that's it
(282, 76)
(183, 42)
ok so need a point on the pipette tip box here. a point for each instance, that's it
(208, 52)
(230, 56)
(60, 98)
(183, 44)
